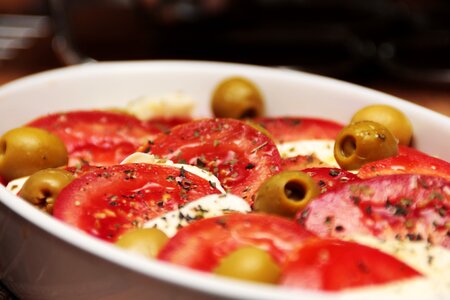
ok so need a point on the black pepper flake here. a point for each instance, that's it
(160, 203)
(339, 228)
(355, 199)
(423, 183)
(170, 178)
(200, 163)
(221, 222)
(368, 210)
(400, 210)
(304, 214)
(295, 122)
(185, 184)
(113, 203)
(249, 166)
(212, 184)
(321, 183)
(442, 211)
(334, 172)
(414, 237)
(363, 267)
(328, 220)
(182, 172)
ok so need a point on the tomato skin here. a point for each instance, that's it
(203, 243)
(408, 161)
(101, 137)
(330, 178)
(239, 155)
(412, 207)
(110, 200)
(289, 129)
(334, 265)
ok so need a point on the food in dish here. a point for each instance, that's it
(107, 201)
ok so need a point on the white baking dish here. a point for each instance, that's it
(41, 258)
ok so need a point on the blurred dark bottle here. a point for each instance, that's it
(331, 37)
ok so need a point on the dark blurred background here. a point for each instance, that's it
(398, 46)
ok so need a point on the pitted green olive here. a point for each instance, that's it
(143, 241)
(44, 186)
(251, 264)
(286, 193)
(26, 150)
(363, 142)
(390, 117)
(238, 98)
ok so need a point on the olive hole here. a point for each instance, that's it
(45, 194)
(249, 113)
(295, 191)
(348, 146)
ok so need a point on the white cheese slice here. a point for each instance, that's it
(205, 207)
(322, 149)
(16, 185)
(432, 261)
(170, 105)
(139, 157)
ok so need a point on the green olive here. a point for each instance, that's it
(143, 241)
(43, 187)
(390, 117)
(363, 142)
(249, 263)
(286, 193)
(237, 97)
(26, 150)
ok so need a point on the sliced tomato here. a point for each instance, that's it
(330, 178)
(334, 265)
(238, 154)
(109, 200)
(300, 162)
(289, 129)
(408, 161)
(203, 243)
(101, 137)
(413, 207)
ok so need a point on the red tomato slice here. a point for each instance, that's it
(300, 162)
(330, 178)
(334, 265)
(101, 137)
(203, 243)
(110, 200)
(408, 161)
(238, 154)
(414, 207)
(289, 129)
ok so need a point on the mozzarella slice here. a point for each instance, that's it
(205, 207)
(322, 149)
(427, 259)
(16, 185)
(139, 157)
(432, 261)
(170, 105)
